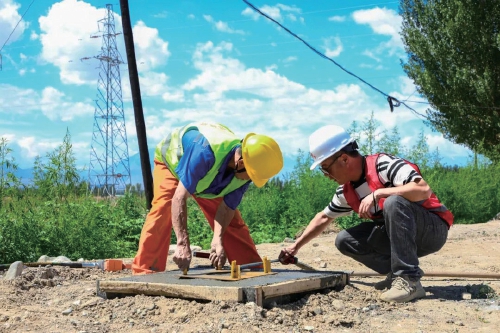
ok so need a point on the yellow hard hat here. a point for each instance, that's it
(262, 157)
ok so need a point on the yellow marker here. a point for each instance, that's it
(265, 265)
(234, 273)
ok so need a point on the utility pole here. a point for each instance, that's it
(137, 101)
(109, 171)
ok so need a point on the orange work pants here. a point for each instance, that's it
(155, 236)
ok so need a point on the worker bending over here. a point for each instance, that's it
(205, 160)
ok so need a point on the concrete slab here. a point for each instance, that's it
(282, 287)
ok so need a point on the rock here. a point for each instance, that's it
(309, 328)
(15, 270)
(315, 244)
(322, 265)
(318, 311)
(288, 240)
(466, 296)
(46, 258)
(67, 311)
(223, 305)
(250, 305)
(338, 304)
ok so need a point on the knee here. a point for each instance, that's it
(341, 242)
(394, 203)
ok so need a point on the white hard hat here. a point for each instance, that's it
(326, 141)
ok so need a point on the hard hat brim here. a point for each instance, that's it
(319, 161)
(259, 182)
(245, 158)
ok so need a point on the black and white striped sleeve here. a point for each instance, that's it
(338, 206)
(394, 171)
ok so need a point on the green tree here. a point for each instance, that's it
(453, 49)
(58, 177)
(390, 143)
(7, 165)
(419, 152)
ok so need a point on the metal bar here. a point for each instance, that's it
(256, 264)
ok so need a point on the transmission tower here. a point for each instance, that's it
(109, 171)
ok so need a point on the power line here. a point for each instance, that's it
(393, 102)
(1, 48)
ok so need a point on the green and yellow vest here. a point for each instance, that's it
(221, 139)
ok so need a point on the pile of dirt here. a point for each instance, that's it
(62, 299)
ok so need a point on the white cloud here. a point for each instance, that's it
(17, 100)
(9, 137)
(271, 67)
(290, 59)
(33, 147)
(222, 26)
(370, 54)
(333, 52)
(278, 12)
(152, 51)
(65, 37)
(336, 18)
(66, 33)
(9, 17)
(385, 22)
(56, 106)
(162, 14)
(226, 90)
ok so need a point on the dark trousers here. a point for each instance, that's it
(412, 232)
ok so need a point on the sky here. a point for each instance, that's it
(212, 60)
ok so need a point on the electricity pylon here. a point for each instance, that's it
(109, 170)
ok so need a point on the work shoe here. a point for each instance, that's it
(403, 289)
(385, 284)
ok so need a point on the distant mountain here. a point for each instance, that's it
(26, 175)
(135, 166)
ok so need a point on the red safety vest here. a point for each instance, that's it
(372, 178)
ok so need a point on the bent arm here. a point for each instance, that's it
(317, 225)
(223, 217)
(179, 214)
(416, 190)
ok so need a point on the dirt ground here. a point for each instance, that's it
(52, 299)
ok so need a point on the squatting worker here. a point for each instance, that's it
(410, 222)
(205, 160)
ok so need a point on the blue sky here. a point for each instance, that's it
(207, 60)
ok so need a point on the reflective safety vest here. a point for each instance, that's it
(222, 141)
(373, 180)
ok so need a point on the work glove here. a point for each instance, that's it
(286, 258)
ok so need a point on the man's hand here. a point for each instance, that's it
(287, 255)
(182, 256)
(217, 255)
(366, 204)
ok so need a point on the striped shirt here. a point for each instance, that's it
(393, 171)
